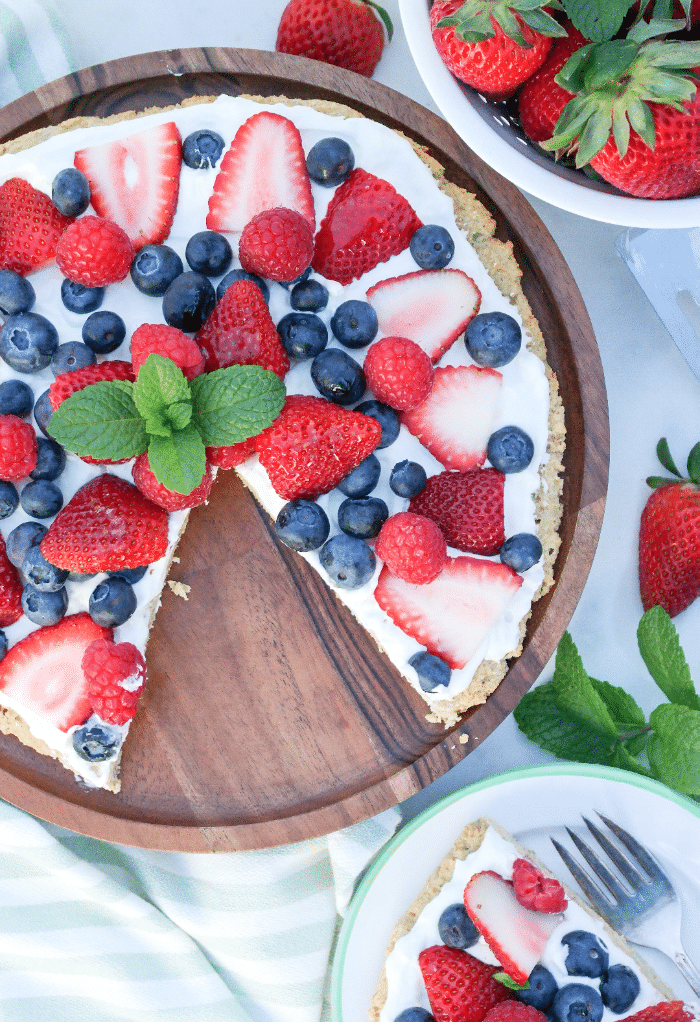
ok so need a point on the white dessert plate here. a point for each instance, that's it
(532, 804)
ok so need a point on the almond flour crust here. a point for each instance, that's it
(469, 841)
(497, 256)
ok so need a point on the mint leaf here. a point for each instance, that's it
(178, 461)
(661, 651)
(102, 421)
(542, 721)
(179, 414)
(160, 384)
(674, 748)
(574, 693)
(624, 760)
(598, 20)
(622, 707)
(232, 404)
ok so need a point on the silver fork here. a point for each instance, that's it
(650, 913)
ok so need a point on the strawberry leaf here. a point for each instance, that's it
(178, 461)
(663, 453)
(508, 981)
(233, 404)
(661, 651)
(598, 20)
(674, 748)
(693, 464)
(102, 421)
(384, 16)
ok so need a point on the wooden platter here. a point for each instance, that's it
(269, 716)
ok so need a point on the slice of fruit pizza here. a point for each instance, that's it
(495, 937)
(295, 292)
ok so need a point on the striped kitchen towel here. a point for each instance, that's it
(90, 930)
(34, 47)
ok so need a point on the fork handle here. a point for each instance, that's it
(689, 971)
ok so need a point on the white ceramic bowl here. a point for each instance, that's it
(485, 129)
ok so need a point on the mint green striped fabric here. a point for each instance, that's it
(90, 930)
(34, 47)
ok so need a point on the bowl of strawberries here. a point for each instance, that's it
(593, 107)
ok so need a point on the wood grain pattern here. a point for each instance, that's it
(282, 721)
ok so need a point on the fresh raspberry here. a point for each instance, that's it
(11, 586)
(68, 383)
(277, 244)
(149, 486)
(412, 547)
(514, 1011)
(18, 447)
(168, 341)
(30, 226)
(536, 891)
(398, 372)
(234, 454)
(115, 673)
(94, 252)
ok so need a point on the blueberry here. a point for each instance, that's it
(521, 551)
(510, 449)
(493, 339)
(586, 956)
(154, 268)
(577, 1002)
(44, 608)
(303, 334)
(456, 928)
(431, 670)
(130, 575)
(9, 498)
(330, 162)
(233, 275)
(432, 247)
(362, 479)
(21, 538)
(112, 602)
(16, 293)
(104, 331)
(302, 525)
(202, 149)
(28, 341)
(349, 561)
(407, 478)
(620, 988)
(72, 355)
(41, 499)
(43, 412)
(79, 298)
(541, 989)
(355, 323)
(50, 461)
(362, 516)
(387, 418)
(97, 742)
(338, 376)
(16, 398)
(3, 644)
(289, 285)
(209, 253)
(309, 296)
(70, 192)
(40, 573)
(414, 1014)
(188, 301)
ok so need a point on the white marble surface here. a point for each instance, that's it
(651, 391)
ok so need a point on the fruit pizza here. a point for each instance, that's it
(296, 293)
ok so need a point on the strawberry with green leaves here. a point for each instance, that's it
(345, 33)
(669, 536)
(494, 45)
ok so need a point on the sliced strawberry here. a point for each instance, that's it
(264, 168)
(516, 935)
(11, 586)
(468, 507)
(665, 1011)
(452, 615)
(430, 307)
(460, 988)
(366, 223)
(135, 181)
(240, 331)
(457, 418)
(30, 226)
(43, 671)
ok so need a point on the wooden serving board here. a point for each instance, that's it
(270, 717)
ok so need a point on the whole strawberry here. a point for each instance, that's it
(665, 1011)
(346, 33)
(467, 506)
(146, 482)
(541, 99)
(493, 45)
(460, 988)
(669, 537)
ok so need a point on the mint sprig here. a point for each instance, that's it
(579, 718)
(170, 417)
